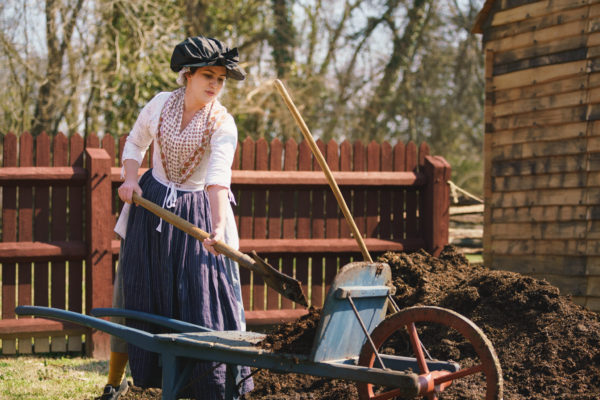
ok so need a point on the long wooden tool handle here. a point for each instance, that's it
(332, 183)
(194, 231)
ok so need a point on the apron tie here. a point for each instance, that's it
(169, 201)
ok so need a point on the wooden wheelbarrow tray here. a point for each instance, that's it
(357, 301)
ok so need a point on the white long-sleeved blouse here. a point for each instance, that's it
(215, 167)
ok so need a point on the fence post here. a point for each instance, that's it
(435, 204)
(99, 276)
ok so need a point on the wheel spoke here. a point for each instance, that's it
(416, 345)
(459, 374)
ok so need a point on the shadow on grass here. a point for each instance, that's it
(91, 365)
(86, 365)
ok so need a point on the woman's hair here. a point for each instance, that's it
(181, 77)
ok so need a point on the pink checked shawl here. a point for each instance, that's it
(181, 151)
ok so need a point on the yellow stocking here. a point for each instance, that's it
(116, 368)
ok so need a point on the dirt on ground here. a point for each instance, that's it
(548, 347)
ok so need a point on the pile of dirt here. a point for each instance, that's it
(294, 337)
(548, 347)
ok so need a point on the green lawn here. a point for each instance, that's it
(474, 258)
(51, 378)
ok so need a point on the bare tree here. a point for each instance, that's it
(19, 61)
(405, 44)
(61, 18)
(366, 69)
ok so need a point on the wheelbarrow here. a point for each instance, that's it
(351, 343)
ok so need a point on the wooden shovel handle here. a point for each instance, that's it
(191, 229)
(332, 183)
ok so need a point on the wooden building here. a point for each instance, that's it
(542, 141)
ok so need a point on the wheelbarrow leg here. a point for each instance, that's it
(233, 376)
(175, 373)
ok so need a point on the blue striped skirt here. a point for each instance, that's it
(171, 274)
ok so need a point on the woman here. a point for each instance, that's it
(165, 271)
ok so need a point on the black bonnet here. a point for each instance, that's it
(201, 51)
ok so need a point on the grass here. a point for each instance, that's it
(474, 258)
(51, 377)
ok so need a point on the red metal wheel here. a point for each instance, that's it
(446, 335)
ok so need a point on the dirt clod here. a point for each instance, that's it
(294, 337)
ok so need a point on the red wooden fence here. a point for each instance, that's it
(58, 215)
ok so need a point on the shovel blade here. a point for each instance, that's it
(287, 286)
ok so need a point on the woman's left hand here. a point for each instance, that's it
(209, 242)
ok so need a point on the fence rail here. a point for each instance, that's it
(58, 248)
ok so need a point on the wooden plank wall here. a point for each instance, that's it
(310, 213)
(27, 216)
(542, 142)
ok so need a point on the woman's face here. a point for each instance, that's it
(206, 83)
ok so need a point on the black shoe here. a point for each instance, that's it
(114, 392)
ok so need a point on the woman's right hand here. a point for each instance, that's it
(127, 188)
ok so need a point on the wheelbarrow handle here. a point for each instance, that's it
(284, 284)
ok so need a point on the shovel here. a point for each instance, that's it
(332, 183)
(285, 285)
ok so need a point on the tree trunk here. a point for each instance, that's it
(50, 95)
(196, 21)
(283, 38)
(45, 106)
